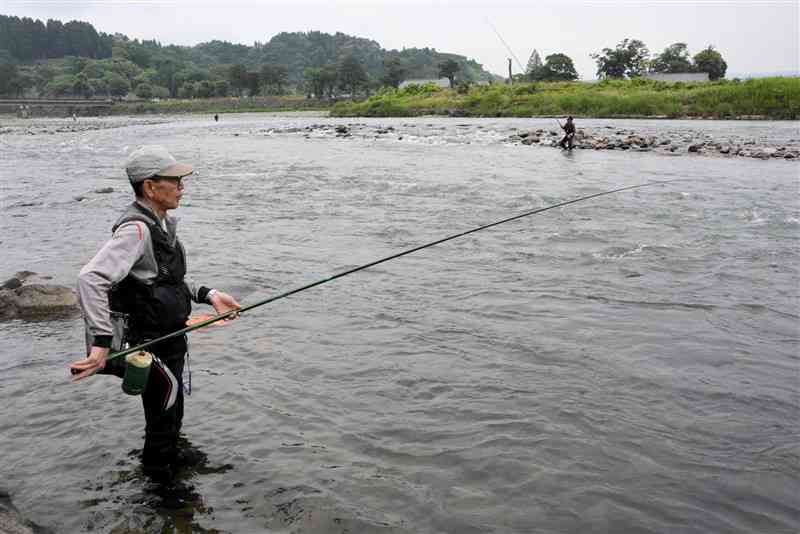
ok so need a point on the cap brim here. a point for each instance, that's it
(179, 170)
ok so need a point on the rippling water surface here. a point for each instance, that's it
(625, 364)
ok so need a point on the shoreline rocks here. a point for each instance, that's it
(672, 144)
(27, 296)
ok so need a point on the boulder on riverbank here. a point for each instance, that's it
(26, 296)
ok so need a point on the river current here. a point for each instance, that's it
(628, 364)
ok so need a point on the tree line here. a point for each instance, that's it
(629, 59)
(73, 59)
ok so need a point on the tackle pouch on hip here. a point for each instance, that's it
(120, 331)
(120, 337)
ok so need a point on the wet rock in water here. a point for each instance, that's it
(341, 129)
(36, 301)
(694, 148)
(104, 190)
(17, 280)
(11, 522)
(11, 283)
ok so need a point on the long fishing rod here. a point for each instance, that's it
(234, 313)
(521, 68)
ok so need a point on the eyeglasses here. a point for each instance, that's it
(178, 181)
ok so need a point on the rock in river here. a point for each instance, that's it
(20, 300)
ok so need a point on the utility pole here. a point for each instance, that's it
(510, 76)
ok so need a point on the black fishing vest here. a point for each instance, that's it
(162, 306)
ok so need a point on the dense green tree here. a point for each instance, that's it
(187, 90)
(237, 76)
(315, 85)
(253, 83)
(330, 76)
(139, 54)
(144, 90)
(448, 69)
(628, 59)
(166, 69)
(394, 71)
(221, 88)
(352, 75)
(557, 67)
(43, 74)
(204, 89)
(118, 85)
(160, 92)
(674, 58)
(98, 87)
(9, 74)
(710, 61)
(274, 77)
(93, 69)
(533, 66)
(61, 85)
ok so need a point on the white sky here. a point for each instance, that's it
(752, 36)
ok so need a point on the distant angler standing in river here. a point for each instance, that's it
(569, 134)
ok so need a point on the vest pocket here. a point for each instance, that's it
(171, 306)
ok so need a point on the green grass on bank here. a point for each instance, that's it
(770, 98)
(221, 105)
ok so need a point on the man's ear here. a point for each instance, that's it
(148, 188)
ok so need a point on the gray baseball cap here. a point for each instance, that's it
(154, 160)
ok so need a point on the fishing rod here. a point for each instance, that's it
(235, 313)
(521, 68)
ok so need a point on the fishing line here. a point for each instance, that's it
(234, 313)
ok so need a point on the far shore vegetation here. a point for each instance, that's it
(353, 76)
(763, 98)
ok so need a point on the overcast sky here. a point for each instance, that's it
(753, 36)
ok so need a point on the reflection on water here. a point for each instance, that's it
(625, 364)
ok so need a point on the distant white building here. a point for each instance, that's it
(441, 82)
(677, 76)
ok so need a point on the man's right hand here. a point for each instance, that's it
(91, 364)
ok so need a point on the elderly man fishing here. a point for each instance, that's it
(135, 290)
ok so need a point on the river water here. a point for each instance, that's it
(625, 364)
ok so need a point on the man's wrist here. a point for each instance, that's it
(211, 293)
(102, 341)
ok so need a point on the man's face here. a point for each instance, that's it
(165, 192)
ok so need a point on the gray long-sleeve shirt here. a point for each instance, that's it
(128, 252)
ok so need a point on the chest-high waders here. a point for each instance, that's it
(152, 310)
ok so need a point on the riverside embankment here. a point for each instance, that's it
(766, 98)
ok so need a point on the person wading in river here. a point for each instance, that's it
(134, 290)
(569, 133)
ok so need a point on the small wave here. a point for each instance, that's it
(650, 304)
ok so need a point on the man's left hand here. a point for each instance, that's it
(224, 303)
